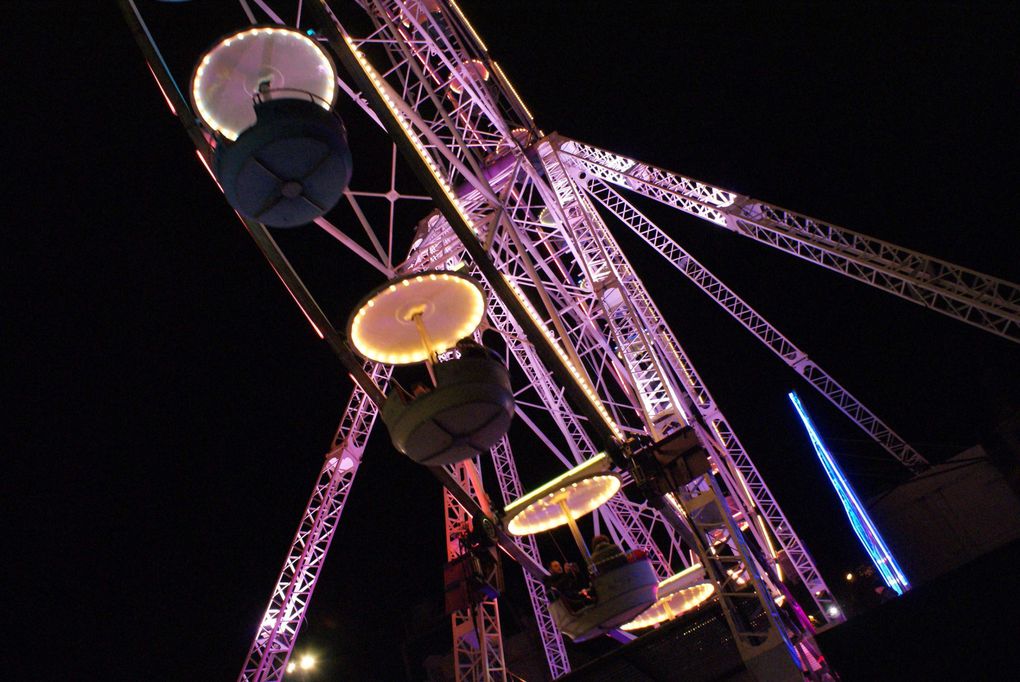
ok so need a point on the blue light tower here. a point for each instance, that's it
(859, 519)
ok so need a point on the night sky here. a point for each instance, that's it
(170, 405)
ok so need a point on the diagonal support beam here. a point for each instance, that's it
(762, 329)
(981, 300)
(281, 623)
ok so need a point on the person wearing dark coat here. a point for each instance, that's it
(563, 585)
(606, 554)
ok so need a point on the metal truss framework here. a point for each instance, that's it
(277, 633)
(541, 260)
(987, 302)
(763, 330)
(628, 522)
(510, 488)
(646, 334)
(528, 202)
(764, 641)
(477, 633)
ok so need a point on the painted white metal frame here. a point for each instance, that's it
(763, 330)
(530, 253)
(477, 632)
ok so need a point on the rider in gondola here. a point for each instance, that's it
(564, 584)
(606, 554)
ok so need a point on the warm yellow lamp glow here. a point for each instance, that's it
(581, 497)
(235, 70)
(383, 327)
(581, 490)
(596, 465)
(678, 594)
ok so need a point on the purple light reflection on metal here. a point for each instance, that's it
(278, 632)
(859, 519)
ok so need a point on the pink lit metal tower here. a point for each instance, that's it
(531, 215)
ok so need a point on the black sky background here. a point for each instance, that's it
(169, 405)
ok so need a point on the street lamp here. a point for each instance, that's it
(306, 663)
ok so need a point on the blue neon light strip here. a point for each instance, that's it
(859, 519)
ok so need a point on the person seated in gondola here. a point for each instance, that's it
(415, 391)
(563, 585)
(580, 577)
(606, 554)
(469, 348)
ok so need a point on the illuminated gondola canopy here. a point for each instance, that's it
(677, 595)
(577, 492)
(385, 325)
(266, 94)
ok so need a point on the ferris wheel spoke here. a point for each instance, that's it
(761, 328)
(987, 302)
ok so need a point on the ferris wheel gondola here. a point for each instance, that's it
(620, 590)
(266, 95)
(551, 199)
(417, 318)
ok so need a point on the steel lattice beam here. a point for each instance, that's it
(276, 634)
(544, 276)
(510, 486)
(476, 220)
(981, 300)
(762, 329)
(657, 340)
(477, 632)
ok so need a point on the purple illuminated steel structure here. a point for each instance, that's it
(862, 524)
(592, 353)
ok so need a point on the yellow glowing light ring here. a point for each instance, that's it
(328, 98)
(547, 508)
(596, 465)
(671, 606)
(373, 346)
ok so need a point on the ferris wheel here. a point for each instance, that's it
(515, 300)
